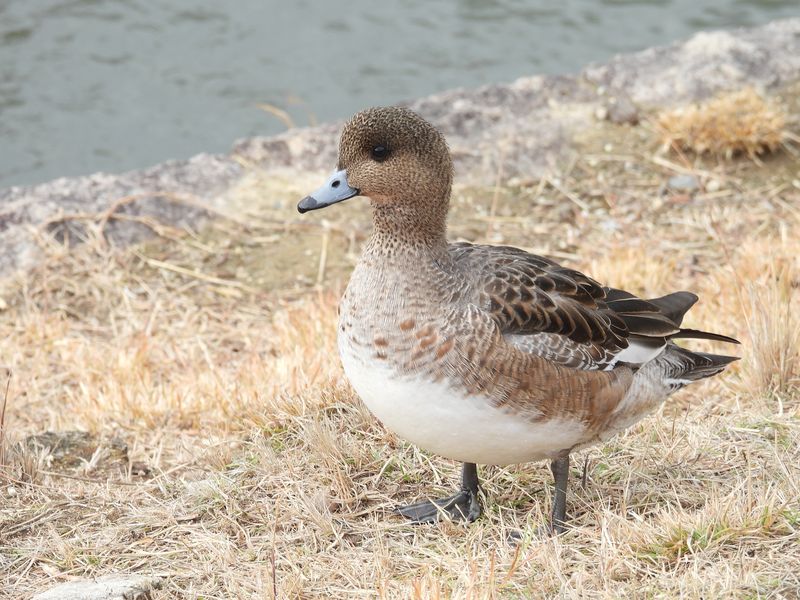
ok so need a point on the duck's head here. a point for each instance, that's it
(394, 157)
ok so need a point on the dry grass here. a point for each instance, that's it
(733, 123)
(251, 470)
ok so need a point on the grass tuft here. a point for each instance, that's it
(728, 125)
(774, 328)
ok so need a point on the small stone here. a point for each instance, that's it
(621, 110)
(610, 225)
(107, 587)
(713, 185)
(601, 114)
(683, 183)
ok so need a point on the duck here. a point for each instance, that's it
(482, 354)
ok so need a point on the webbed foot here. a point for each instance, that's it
(461, 507)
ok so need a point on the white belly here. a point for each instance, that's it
(438, 418)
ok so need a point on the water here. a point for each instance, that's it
(90, 85)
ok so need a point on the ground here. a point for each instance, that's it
(217, 445)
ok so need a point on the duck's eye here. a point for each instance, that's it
(380, 152)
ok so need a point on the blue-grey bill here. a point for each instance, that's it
(334, 190)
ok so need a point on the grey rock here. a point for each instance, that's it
(704, 65)
(621, 110)
(522, 129)
(174, 192)
(683, 183)
(107, 587)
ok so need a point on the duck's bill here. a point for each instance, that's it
(334, 190)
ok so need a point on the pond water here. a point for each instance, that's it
(91, 85)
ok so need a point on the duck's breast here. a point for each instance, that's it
(441, 417)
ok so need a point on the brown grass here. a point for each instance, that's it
(732, 123)
(251, 470)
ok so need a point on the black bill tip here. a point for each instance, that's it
(306, 204)
(332, 191)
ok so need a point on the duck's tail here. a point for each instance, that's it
(658, 318)
(675, 306)
(653, 324)
(682, 366)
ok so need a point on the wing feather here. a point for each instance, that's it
(568, 317)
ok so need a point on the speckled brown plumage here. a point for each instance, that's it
(530, 349)
(459, 310)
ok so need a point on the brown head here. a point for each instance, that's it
(398, 160)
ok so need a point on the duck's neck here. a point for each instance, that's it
(414, 229)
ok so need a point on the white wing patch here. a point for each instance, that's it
(562, 350)
(637, 353)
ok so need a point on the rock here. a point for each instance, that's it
(683, 183)
(621, 110)
(704, 65)
(174, 193)
(107, 587)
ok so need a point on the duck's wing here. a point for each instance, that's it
(566, 317)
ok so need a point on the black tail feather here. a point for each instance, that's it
(675, 305)
(697, 334)
(658, 317)
(693, 366)
(711, 364)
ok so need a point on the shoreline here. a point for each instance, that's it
(498, 133)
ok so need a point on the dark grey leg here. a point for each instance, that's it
(560, 469)
(585, 476)
(463, 506)
(469, 478)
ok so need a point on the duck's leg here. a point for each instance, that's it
(560, 469)
(585, 475)
(463, 506)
